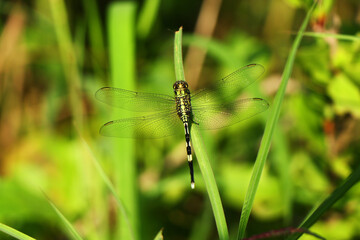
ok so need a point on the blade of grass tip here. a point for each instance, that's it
(108, 184)
(159, 236)
(201, 155)
(337, 194)
(269, 130)
(121, 29)
(178, 60)
(14, 233)
(74, 234)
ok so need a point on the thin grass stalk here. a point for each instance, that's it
(147, 17)
(332, 35)
(70, 228)
(95, 36)
(68, 58)
(269, 130)
(121, 28)
(337, 194)
(201, 154)
(108, 183)
(281, 162)
(14, 233)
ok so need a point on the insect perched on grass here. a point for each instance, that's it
(208, 108)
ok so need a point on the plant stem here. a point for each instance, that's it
(269, 130)
(201, 155)
(121, 22)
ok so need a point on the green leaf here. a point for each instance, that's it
(345, 94)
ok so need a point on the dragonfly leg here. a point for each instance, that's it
(189, 155)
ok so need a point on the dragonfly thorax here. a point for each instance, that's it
(182, 99)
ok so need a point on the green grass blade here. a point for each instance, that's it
(68, 58)
(210, 183)
(147, 17)
(337, 194)
(203, 226)
(95, 29)
(201, 155)
(281, 162)
(96, 35)
(269, 130)
(178, 60)
(109, 185)
(14, 233)
(332, 35)
(74, 234)
(159, 236)
(121, 28)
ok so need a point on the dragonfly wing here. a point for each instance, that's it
(135, 101)
(214, 116)
(152, 126)
(229, 86)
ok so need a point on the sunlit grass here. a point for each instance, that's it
(58, 59)
(121, 28)
(14, 233)
(269, 130)
(200, 151)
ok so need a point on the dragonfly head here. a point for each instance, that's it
(180, 85)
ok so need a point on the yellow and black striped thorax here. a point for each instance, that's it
(182, 98)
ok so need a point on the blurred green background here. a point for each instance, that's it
(55, 54)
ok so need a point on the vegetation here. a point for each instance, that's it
(289, 172)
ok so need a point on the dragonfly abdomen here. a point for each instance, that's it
(189, 155)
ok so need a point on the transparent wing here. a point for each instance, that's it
(215, 116)
(153, 126)
(135, 101)
(229, 86)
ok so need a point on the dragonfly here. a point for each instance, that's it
(211, 108)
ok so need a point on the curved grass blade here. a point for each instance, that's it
(332, 35)
(14, 233)
(109, 185)
(210, 182)
(269, 130)
(74, 234)
(337, 194)
(135, 101)
(201, 155)
(222, 115)
(153, 126)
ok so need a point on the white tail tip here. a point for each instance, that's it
(192, 185)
